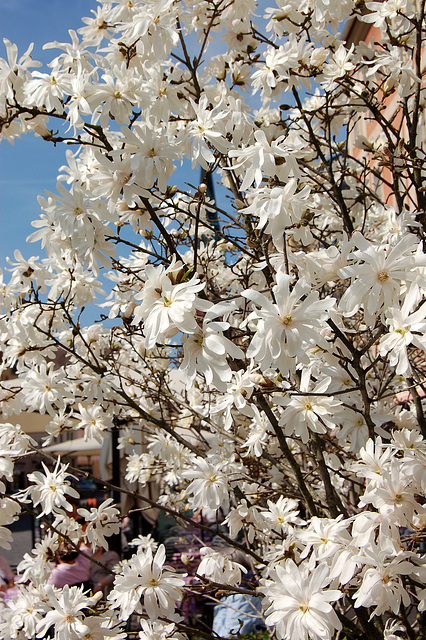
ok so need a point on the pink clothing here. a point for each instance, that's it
(70, 573)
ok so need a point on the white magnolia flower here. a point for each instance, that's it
(238, 393)
(405, 328)
(206, 351)
(279, 208)
(139, 467)
(66, 612)
(46, 90)
(145, 542)
(164, 446)
(44, 389)
(167, 307)
(305, 412)
(94, 420)
(382, 586)
(258, 434)
(285, 329)
(114, 96)
(9, 510)
(248, 516)
(146, 576)
(209, 485)
(324, 537)
(339, 65)
(51, 488)
(158, 630)
(378, 275)
(24, 612)
(37, 568)
(14, 70)
(282, 514)
(394, 495)
(152, 155)
(205, 129)
(374, 457)
(102, 627)
(261, 158)
(345, 562)
(354, 430)
(101, 522)
(219, 566)
(379, 12)
(300, 603)
(15, 439)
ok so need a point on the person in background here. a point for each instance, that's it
(72, 568)
(239, 613)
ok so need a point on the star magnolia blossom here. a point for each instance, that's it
(405, 328)
(94, 422)
(167, 306)
(66, 614)
(101, 521)
(300, 608)
(381, 584)
(146, 576)
(50, 489)
(304, 413)
(378, 276)
(286, 328)
(209, 485)
(217, 566)
(283, 514)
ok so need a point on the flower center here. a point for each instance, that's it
(383, 276)
(401, 331)
(287, 320)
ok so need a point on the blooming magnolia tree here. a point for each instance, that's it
(269, 352)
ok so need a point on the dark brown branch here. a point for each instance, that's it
(262, 403)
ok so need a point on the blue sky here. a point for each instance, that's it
(31, 165)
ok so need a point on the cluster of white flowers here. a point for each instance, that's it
(263, 359)
(145, 576)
